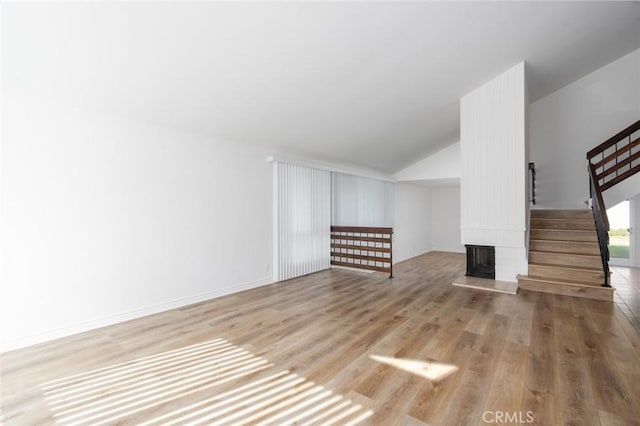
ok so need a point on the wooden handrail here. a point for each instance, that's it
(360, 266)
(613, 140)
(362, 229)
(352, 246)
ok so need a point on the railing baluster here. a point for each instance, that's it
(601, 221)
(532, 171)
(616, 151)
(630, 152)
(604, 167)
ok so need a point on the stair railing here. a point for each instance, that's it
(611, 162)
(601, 220)
(617, 158)
(532, 180)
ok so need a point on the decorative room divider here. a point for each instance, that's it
(362, 247)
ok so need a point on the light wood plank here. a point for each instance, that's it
(507, 387)
(539, 393)
(577, 405)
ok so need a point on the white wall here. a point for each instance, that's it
(107, 219)
(573, 120)
(493, 173)
(445, 219)
(411, 230)
(441, 165)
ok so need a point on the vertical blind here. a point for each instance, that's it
(360, 201)
(302, 220)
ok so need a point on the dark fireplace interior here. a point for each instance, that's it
(481, 261)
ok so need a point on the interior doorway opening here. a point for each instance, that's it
(620, 241)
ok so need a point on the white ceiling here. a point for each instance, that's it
(373, 84)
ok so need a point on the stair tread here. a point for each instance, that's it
(566, 232)
(577, 235)
(564, 241)
(560, 282)
(563, 230)
(558, 212)
(563, 218)
(575, 268)
(597, 292)
(568, 224)
(563, 253)
(533, 228)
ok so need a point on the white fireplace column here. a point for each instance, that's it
(493, 192)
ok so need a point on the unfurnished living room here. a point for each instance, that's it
(336, 213)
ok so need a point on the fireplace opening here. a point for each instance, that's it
(481, 261)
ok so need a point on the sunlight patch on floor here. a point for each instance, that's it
(213, 382)
(434, 371)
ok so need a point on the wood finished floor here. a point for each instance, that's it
(341, 347)
(626, 281)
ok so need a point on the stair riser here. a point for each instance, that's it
(566, 259)
(599, 293)
(552, 234)
(561, 214)
(583, 224)
(592, 277)
(565, 247)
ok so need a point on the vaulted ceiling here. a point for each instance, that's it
(374, 84)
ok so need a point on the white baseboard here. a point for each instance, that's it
(449, 249)
(49, 335)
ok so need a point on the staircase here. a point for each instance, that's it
(569, 249)
(564, 255)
